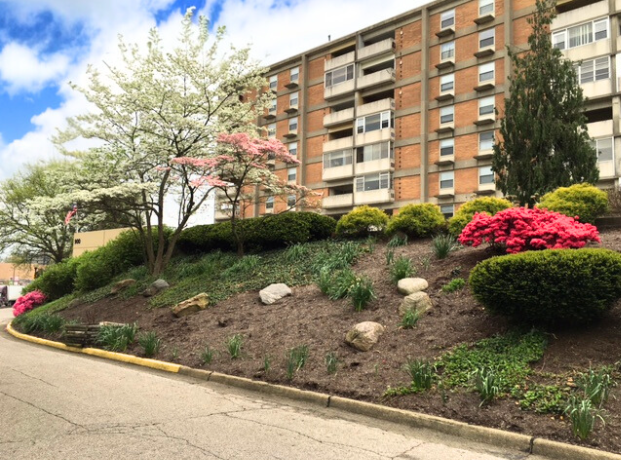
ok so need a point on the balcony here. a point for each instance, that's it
(597, 88)
(446, 193)
(446, 128)
(376, 78)
(380, 135)
(484, 155)
(338, 172)
(446, 160)
(484, 86)
(292, 108)
(338, 118)
(374, 166)
(485, 52)
(606, 169)
(292, 84)
(446, 31)
(374, 197)
(484, 18)
(270, 115)
(600, 129)
(340, 89)
(375, 107)
(338, 144)
(486, 120)
(338, 201)
(291, 133)
(376, 49)
(340, 61)
(578, 15)
(447, 59)
(446, 96)
(486, 189)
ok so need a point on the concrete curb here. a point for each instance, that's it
(490, 436)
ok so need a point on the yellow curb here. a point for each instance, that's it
(152, 363)
(559, 450)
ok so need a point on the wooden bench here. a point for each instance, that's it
(81, 335)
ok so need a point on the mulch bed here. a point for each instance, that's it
(310, 318)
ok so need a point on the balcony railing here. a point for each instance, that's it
(375, 107)
(340, 61)
(377, 78)
(376, 48)
(337, 118)
(374, 196)
(338, 144)
(338, 201)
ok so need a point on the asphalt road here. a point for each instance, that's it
(59, 405)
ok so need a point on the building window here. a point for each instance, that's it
(291, 200)
(374, 152)
(447, 147)
(295, 74)
(448, 210)
(293, 124)
(292, 174)
(274, 82)
(593, 70)
(373, 122)
(373, 182)
(486, 7)
(447, 180)
(293, 148)
(447, 114)
(486, 106)
(447, 19)
(486, 141)
(340, 75)
(447, 82)
(293, 99)
(604, 149)
(486, 175)
(486, 72)
(581, 34)
(486, 38)
(447, 51)
(271, 130)
(269, 203)
(336, 159)
(273, 107)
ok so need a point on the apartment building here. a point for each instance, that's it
(403, 111)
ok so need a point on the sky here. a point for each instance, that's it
(45, 44)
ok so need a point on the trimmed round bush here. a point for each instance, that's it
(361, 222)
(417, 220)
(581, 201)
(57, 280)
(466, 212)
(566, 286)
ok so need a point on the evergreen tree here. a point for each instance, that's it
(543, 142)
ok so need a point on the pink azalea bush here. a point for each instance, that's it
(28, 302)
(522, 229)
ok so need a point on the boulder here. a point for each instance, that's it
(274, 292)
(118, 287)
(364, 335)
(419, 302)
(407, 286)
(189, 307)
(156, 287)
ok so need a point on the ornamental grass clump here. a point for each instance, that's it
(522, 229)
(28, 302)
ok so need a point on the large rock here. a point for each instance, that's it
(189, 307)
(364, 335)
(419, 302)
(121, 285)
(156, 287)
(274, 292)
(407, 286)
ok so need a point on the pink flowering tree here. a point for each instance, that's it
(28, 302)
(241, 166)
(522, 229)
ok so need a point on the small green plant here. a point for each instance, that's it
(336, 285)
(425, 262)
(422, 373)
(296, 359)
(488, 384)
(267, 363)
(174, 354)
(45, 322)
(397, 241)
(370, 244)
(361, 293)
(297, 252)
(543, 399)
(443, 245)
(390, 256)
(207, 355)
(117, 338)
(234, 345)
(401, 268)
(150, 343)
(331, 362)
(595, 385)
(582, 415)
(410, 319)
(454, 285)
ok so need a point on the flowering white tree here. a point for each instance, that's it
(157, 107)
(240, 168)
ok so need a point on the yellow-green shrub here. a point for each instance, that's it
(362, 221)
(417, 220)
(466, 212)
(582, 200)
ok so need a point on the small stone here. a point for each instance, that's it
(121, 285)
(407, 286)
(156, 287)
(193, 305)
(418, 302)
(364, 335)
(274, 292)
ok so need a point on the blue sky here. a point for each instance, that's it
(45, 44)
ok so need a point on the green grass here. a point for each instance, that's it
(401, 268)
(454, 285)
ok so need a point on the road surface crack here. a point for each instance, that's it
(33, 377)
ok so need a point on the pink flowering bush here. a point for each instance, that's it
(521, 229)
(28, 302)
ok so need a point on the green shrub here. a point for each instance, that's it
(150, 343)
(57, 280)
(401, 268)
(362, 222)
(443, 245)
(454, 285)
(117, 338)
(417, 220)
(582, 200)
(572, 286)
(46, 323)
(466, 212)
(361, 293)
